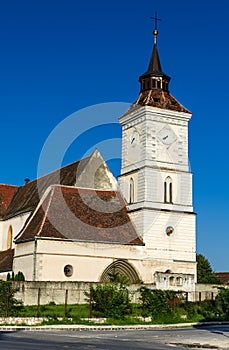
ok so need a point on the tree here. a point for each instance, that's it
(110, 300)
(222, 303)
(205, 274)
(9, 306)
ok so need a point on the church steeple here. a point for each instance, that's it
(155, 83)
(154, 78)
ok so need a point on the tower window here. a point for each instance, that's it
(168, 190)
(131, 191)
(159, 84)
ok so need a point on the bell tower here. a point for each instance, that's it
(155, 178)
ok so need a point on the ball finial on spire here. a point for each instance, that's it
(155, 32)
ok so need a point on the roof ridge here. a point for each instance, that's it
(86, 188)
(47, 209)
(52, 172)
(45, 195)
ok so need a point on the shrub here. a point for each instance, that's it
(109, 300)
(9, 306)
(160, 305)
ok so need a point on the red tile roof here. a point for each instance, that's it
(28, 196)
(160, 99)
(81, 215)
(6, 260)
(6, 195)
(223, 276)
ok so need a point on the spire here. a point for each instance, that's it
(155, 84)
(155, 64)
(154, 78)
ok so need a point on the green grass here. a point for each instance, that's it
(55, 311)
(75, 313)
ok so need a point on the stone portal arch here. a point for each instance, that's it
(124, 268)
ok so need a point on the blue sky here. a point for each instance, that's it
(60, 56)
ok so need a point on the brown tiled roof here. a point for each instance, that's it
(6, 194)
(160, 99)
(81, 215)
(223, 276)
(27, 197)
(6, 260)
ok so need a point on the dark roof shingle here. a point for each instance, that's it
(223, 276)
(159, 99)
(28, 196)
(81, 215)
(6, 260)
(6, 195)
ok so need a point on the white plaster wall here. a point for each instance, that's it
(24, 259)
(179, 247)
(89, 260)
(149, 149)
(17, 223)
(124, 184)
(154, 186)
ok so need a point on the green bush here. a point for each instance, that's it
(222, 304)
(161, 305)
(9, 306)
(109, 300)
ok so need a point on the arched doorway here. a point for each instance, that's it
(123, 268)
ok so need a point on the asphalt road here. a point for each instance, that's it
(115, 340)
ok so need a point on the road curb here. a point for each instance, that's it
(107, 327)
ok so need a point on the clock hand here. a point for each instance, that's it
(164, 138)
(132, 139)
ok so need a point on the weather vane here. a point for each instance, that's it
(155, 32)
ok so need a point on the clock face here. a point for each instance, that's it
(167, 136)
(134, 138)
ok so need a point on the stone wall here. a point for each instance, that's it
(207, 291)
(32, 293)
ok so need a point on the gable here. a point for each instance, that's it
(90, 172)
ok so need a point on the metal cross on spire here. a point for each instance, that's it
(155, 32)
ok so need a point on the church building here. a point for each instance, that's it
(79, 223)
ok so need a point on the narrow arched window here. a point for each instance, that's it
(131, 191)
(168, 190)
(10, 237)
(165, 192)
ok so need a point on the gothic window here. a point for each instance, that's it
(168, 190)
(131, 191)
(10, 237)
